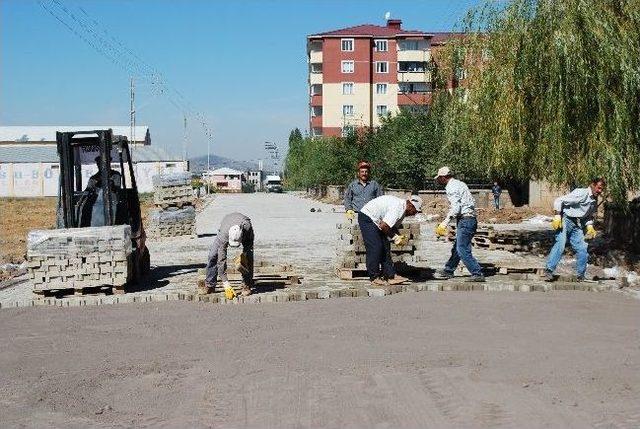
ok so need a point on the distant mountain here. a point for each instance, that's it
(199, 164)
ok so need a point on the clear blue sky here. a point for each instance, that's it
(241, 63)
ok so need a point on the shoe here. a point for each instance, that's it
(443, 275)
(396, 280)
(246, 291)
(548, 276)
(476, 279)
(378, 282)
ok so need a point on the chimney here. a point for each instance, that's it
(394, 23)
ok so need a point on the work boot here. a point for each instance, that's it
(378, 282)
(548, 276)
(396, 280)
(443, 275)
(476, 279)
(246, 291)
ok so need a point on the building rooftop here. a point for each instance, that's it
(226, 171)
(371, 30)
(33, 153)
(47, 134)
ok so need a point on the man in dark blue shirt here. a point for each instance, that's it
(496, 190)
(360, 191)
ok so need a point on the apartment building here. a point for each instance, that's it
(357, 75)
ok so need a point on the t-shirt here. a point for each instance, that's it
(386, 208)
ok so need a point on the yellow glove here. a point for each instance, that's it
(442, 229)
(556, 223)
(400, 240)
(350, 214)
(590, 233)
(229, 293)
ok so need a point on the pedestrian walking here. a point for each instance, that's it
(463, 211)
(573, 222)
(379, 220)
(496, 190)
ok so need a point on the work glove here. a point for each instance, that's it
(400, 240)
(350, 214)
(229, 293)
(556, 223)
(442, 229)
(590, 233)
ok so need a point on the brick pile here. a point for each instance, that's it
(79, 258)
(175, 214)
(352, 253)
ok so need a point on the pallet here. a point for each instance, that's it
(264, 277)
(85, 291)
(178, 204)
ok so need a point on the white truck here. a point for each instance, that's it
(273, 184)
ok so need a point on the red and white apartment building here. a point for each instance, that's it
(359, 74)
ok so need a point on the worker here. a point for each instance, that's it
(360, 191)
(463, 211)
(573, 221)
(235, 229)
(95, 181)
(379, 220)
(496, 190)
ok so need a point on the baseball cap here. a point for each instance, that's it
(235, 235)
(416, 201)
(443, 171)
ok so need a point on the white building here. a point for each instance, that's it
(29, 163)
(224, 179)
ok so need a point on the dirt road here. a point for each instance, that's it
(409, 360)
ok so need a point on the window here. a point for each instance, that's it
(347, 45)
(381, 110)
(347, 66)
(316, 89)
(381, 88)
(414, 87)
(382, 66)
(347, 129)
(408, 45)
(316, 132)
(347, 110)
(347, 88)
(316, 67)
(381, 45)
(413, 66)
(316, 111)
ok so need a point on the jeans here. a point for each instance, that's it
(572, 230)
(496, 201)
(378, 249)
(461, 250)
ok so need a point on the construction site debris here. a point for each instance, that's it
(78, 258)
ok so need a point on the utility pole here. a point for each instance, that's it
(184, 141)
(132, 112)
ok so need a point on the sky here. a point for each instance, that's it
(239, 66)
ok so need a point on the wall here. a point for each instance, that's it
(542, 194)
(41, 179)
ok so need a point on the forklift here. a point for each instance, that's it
(106, 198)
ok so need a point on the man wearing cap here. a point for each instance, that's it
(360, 191)
(463, 210)
(379, 220)
(235, 229)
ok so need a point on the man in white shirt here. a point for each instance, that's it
(573, 221)
(463, 211)
(379, 220)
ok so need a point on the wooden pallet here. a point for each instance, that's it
(265, 277)
(84, 291)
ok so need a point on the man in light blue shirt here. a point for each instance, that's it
(573, 221)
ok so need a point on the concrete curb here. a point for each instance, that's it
(302, 294)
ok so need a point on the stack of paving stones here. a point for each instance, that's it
(79, 258)
(503, 237)
(175, 214)
(352, 253)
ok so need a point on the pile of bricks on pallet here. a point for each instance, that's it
(175, 214)
(352, 253)
(504, 237)
(79, 258)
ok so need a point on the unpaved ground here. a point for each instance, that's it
(408, 360)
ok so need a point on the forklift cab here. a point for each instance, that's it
(109, 197)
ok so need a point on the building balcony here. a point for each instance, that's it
(315, 78)
(413, 98)
(316, 100)
(316, 121)
(315, 56)
(423, 76)
(415, 55)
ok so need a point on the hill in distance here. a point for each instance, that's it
(199, 164)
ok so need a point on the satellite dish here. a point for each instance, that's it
(387, 16)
